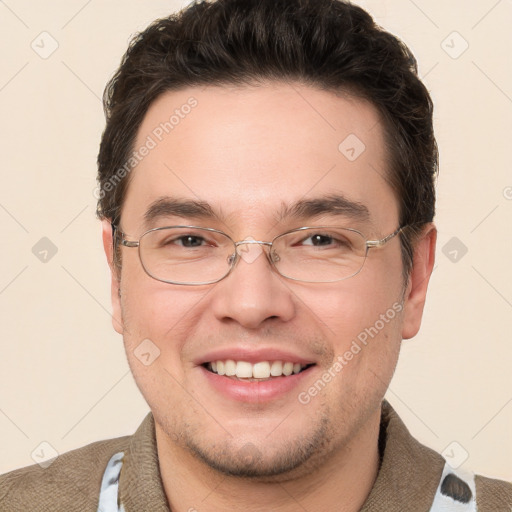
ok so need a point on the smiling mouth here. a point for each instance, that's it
(257, 372)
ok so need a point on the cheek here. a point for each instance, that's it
(361, 320)
(344, 313)
(165, 314)
(364, 332)
(148, 304)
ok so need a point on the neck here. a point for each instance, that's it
(342, 482)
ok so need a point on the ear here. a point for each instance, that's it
(115, 296)
(415, 294)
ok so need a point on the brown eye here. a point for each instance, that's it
(190, 241)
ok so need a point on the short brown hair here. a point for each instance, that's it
(328, 44)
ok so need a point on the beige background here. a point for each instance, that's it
(64, 379)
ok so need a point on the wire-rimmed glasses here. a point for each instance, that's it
(194, 255)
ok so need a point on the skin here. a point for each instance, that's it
(246, 151)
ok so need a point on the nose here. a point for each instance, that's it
(253, 292)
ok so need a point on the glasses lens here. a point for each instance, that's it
(319, 255)
(186, 255)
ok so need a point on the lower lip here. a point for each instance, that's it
(253, 391)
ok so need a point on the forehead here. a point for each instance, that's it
(250, 152)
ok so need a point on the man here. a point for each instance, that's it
(266, 192)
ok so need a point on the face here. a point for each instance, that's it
(251, 153)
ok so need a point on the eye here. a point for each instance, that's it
(187, 241)
(326, 240)
(318, 240)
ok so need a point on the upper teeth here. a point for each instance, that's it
(260, 370)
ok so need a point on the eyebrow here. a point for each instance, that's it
(330, 205)
(304, 209)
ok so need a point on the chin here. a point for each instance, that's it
(263, 460)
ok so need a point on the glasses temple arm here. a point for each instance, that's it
(383, 241)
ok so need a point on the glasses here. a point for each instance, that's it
(192, 255)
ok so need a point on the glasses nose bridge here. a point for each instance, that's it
(249, 241)
(233, 259)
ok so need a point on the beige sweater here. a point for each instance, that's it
(407, 481)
